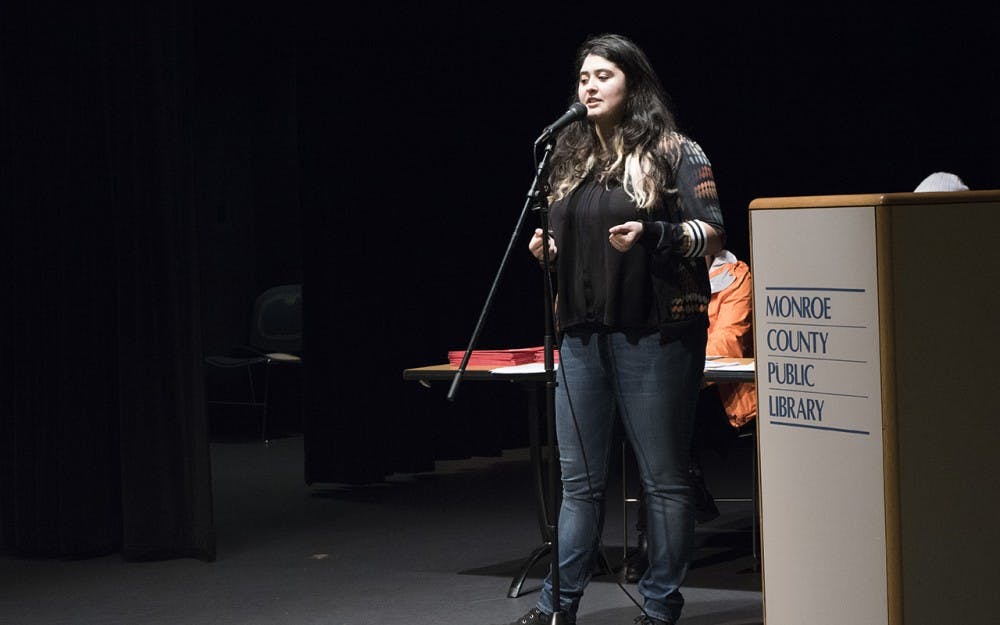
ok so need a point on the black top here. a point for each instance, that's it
(646, 289)
(599, 285)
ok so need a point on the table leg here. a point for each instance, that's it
(538, 478)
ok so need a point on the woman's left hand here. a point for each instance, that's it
(624, 236)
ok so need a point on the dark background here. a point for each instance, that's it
(163, 163)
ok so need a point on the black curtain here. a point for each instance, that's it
(400, 243)
(102, 420)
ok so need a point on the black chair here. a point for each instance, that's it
(275, 341)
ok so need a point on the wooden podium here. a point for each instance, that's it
(877, 346)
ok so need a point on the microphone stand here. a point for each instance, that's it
(540, 199)
(537, 200)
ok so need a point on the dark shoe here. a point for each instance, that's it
(645, 619)
(637, 563)
(537, 617)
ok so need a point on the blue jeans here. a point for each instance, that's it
(654, 388)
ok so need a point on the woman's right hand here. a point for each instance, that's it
(535, 245)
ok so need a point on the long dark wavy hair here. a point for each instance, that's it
(639, 153)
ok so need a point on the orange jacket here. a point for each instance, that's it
(730, 332)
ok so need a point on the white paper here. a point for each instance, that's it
(531, 367)
(715, 365)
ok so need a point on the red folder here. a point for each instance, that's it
(500, 357)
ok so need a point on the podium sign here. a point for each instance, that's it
(845, 289)
(820, 411)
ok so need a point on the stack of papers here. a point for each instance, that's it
(531, 367)
(500, 357)
(728, 365)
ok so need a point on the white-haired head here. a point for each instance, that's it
(941, 181)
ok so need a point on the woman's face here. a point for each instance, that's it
(602, 90)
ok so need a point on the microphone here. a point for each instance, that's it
(575, 112)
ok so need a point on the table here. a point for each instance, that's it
(438, 373)
(741, 370)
